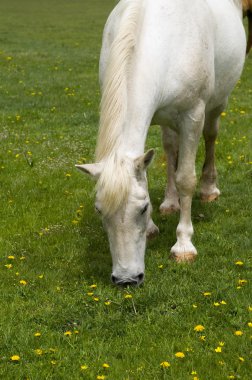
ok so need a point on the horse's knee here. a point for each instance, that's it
(186, 183)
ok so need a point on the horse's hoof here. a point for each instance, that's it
(169, 210)
(184, 257)
(207, 198)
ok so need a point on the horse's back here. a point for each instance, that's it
(183, 50)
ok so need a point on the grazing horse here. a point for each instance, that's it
(172, 63)
(247, 12)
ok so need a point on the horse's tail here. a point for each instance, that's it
(249, 41)
(114, 89)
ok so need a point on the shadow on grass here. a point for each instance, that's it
(94, 256)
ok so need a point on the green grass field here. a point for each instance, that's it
(60, 317)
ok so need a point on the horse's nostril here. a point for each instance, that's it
(114, 279)
(140, 277)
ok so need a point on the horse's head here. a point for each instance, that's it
(123, 202)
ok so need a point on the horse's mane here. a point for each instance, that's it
(114, 182)
(113, 105)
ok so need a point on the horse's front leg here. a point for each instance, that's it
(190, 130)
(170, 144)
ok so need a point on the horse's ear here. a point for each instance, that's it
(142, 162)
(92, 169)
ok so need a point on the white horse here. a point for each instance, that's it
(172, 63)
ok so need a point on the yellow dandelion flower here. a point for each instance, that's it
(90, 294)
(241, 359)
(193, 373)
(128, 296)
(238, 333)
(41, 276)
(53, 362)
(223, 114)
(239, 263)
(195, 378)
(160, 266)
(15, 358)
(68, 333)
(8, 266)
(249, 324)
(194, 306)
(96, 299)
(37, 334)
(180, 355)
(38, 351)
(11, 257)
(84, 367)
(23, 282)
(218, 349)
(221, 344)
(207, 294)
(250, 308)
(105, 365)
(94, 286)
(203, 338)
(199, 328)
(76, 332)
(223, 302)
(165, 364)
(68, 175)
(107, 303)
(101, 377)
(242, 282)
(216, 304)
(231, 377)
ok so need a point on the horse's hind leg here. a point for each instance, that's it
(171, 200)
(209, 191)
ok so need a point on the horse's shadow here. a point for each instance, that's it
(94, 257)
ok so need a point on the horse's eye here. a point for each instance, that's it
(143, 211)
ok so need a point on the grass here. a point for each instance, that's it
(52, 245)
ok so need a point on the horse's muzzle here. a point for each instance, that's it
(135, 281)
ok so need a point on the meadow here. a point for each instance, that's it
(60, 316)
